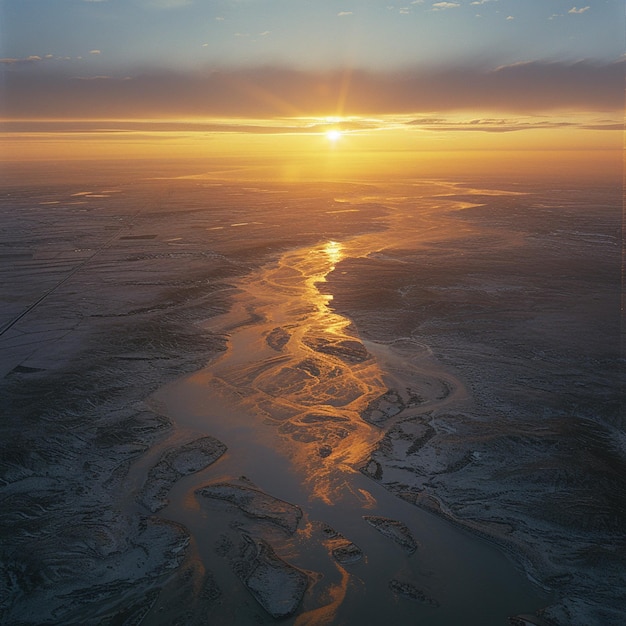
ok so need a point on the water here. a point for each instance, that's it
(277, 408)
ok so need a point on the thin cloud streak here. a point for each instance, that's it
(577, 11)
(256, 127)
(270, 92)
(440, 6)
(491, 125)
(300, 126)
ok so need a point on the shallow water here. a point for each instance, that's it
(288, 405)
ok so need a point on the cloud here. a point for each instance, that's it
(440, 6)
(507, 125)
(165, 4)
(268, 92)
(489, 125)
(21, 61)
(510, 17)
(301, 125)
(477, 2)
(344, 13)
(578, 11)
(605, 126)
(287, 126)
(35, 59)
(94, 78)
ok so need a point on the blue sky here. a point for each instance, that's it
(308, 33)
(162, 47)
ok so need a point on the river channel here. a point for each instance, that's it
(287, 398)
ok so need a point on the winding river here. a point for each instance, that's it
(287, 398)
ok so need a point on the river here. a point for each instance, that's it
(287, 398)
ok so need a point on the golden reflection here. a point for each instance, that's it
(326, 614)
(334, 252)
(295, 365)
(369, 501)
(317, 380)
(327, 377)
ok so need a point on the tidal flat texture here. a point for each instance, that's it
(205, 401)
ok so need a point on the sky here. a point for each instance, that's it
(490, 66)
(197, 57)
(120, 36)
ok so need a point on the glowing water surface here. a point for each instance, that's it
(286, 399)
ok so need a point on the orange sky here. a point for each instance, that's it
(381, 155)
(367, 147)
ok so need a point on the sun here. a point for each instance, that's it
(333, 135)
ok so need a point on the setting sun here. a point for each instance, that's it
(333, 135)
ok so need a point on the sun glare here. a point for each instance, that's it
(333, 135)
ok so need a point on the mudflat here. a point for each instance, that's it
(244, 401)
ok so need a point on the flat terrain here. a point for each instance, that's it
(257, 401)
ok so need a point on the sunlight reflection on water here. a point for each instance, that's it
(334, 252)
(296, 398)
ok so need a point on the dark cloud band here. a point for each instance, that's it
(274, 91)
